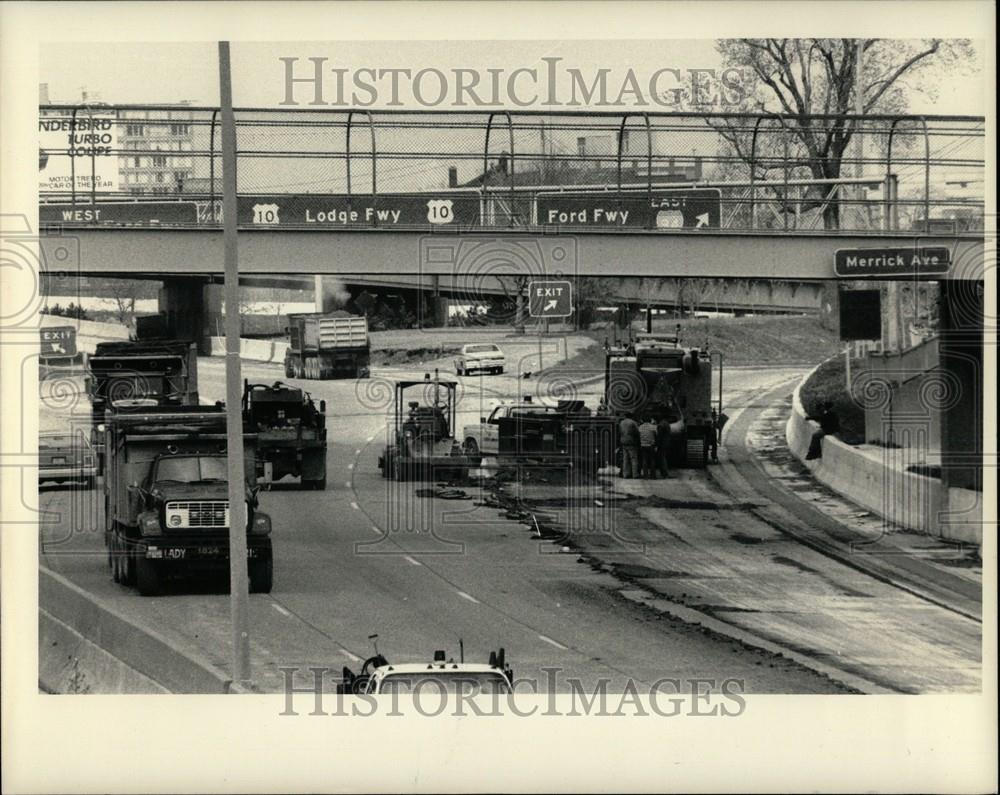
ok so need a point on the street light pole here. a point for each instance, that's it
(238, 585)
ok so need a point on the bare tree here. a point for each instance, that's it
(124, 292)
(515, 289)
(801, 78)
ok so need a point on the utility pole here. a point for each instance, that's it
(238, 585)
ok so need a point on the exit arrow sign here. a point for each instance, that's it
(550, 298)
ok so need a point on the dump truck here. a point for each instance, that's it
(655, 376)
(322, 346)
(423, 444)
(291, 433)
(138, 374)
(167, 499)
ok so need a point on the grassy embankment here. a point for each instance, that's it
(829, 382)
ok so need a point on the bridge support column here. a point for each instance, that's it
(183, 303)
(961, 355)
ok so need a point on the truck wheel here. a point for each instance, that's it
(697, 452)
(319, 485)
(114, 557)
(129, 558)
(398, 469)
(147, 577)
(261, 573)
(499, 371)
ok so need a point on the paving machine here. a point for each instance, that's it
(655, 376)
(291, 433)
(423, 445)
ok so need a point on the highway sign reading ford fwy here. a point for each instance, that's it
(684, 208)
(550, 298)
(858, 263)
(58, 341)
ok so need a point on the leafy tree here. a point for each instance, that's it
(804, 77)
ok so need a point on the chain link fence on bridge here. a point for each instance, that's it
(146, 165)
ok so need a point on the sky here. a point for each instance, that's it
(171, 72)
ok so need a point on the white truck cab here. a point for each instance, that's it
(484, 437)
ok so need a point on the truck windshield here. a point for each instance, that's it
(191, 469)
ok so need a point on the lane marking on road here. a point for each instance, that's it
(376, 531)
(349, 656)
(413, 561)
(464, 595)
(555, 643)
(355, 506)
(350, 466)
(280, 609)
(347, 483)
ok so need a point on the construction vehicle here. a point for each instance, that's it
(322, 346)
(527, 431)
(378, 675)
(655, 376)
(167, 498)
(138, 374)
(423, 445)
(291, 433)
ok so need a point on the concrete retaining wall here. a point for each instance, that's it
(86, 647)
(252, 350)
(876, 478)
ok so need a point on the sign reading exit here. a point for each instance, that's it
(550, 298)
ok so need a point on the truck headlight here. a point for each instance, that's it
(149, 525)
(261, 524)
(174, 520)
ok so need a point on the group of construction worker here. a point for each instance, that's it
(645, 444)
(645, 447)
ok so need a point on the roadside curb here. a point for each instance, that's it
(105, 652)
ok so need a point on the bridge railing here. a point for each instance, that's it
(579, 171)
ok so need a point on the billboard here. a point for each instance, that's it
(83, 150)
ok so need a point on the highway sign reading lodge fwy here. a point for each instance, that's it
(550, 298)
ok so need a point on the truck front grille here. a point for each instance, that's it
(199, 514)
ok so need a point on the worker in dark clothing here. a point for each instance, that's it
(663, 446)
(829, 423)
(628, 434)
(719, 420)
(647, 448)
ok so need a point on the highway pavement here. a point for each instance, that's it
(371, 556)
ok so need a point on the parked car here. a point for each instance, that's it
(484, 357)
(66, 456)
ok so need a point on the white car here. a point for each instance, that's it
(484, 357)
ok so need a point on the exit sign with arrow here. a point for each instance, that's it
(550, 298)
(58, 341)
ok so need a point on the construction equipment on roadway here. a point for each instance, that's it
(290, 431)
(332, 345)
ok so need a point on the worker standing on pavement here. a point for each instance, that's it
(647, 452)
(628, 433)
(663, 446)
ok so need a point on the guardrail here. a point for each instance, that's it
(363, 169)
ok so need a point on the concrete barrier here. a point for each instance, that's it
(252, 350)
(87, 647)
(876, 478)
